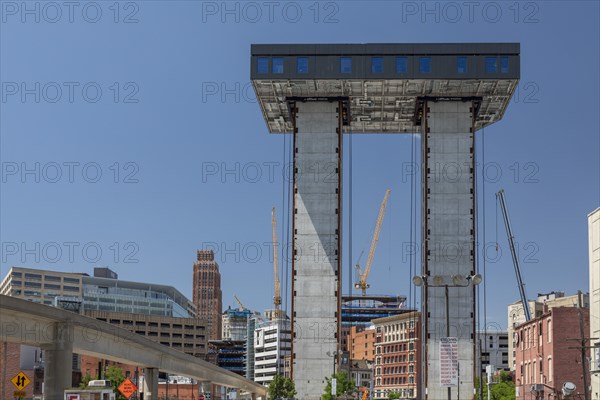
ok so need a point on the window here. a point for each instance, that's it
(549, 330)
(71, 280)
(401, 65)
(346, 68)
(277, 65)
(490, 65)
(425, 65)
(504, 64)
(262, 66)
(302, 65)
(550, 377)
(377, 65)
(461, 64)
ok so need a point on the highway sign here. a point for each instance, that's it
(20, 381)
(127, 388)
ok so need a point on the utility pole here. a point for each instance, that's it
(583, 347)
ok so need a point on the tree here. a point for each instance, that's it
(115, 376)
(281, 387)
(344, 386)
(504, 389)
(394, 395)
(85, 380)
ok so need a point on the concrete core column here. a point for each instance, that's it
(58, 362)
(317, 212)
(449, 248)
(150, 383)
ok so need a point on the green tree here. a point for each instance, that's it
(281, 387)
(116, 377)
(85, 380)
(394, 395)
(344, 386)
(504, 389)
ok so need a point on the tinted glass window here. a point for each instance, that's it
(425, 65)
(278, 65)
(504, 64)
(346, 65)
(401, 65)
(302, 65)
(262, 66)
(461, 64)
(376, 65)
(490, 64)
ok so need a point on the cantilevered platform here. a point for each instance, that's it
(385, 83)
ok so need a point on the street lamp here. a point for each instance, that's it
(441, 281)
(333, 354)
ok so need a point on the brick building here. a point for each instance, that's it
(361, 343)
(397, 355)
(547, 353)
(207, 294)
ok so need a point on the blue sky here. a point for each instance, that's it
(126, 113)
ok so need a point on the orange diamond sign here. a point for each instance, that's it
(20, 381)
(127, 388)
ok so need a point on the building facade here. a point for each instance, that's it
(207, 292)
(516, 315)
(272, 343)
(594, 260)
(492, 349)
(361, 343)
(235, 324)
(547, 353)
(397, 355)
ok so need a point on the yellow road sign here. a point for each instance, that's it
(20, 381)
(19, 393)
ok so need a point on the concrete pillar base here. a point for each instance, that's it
(58, 361)
(150, 384)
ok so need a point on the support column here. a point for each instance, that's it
(58, 361)
(150, 383)
(448, 246)
(316, 244)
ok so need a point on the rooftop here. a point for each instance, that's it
(383, 86)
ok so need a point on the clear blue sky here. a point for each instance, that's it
(158, 120)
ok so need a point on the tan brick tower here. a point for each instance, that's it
(207, 292)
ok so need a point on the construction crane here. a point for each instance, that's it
(277, 284)
(511, 243)
(362, 276)
(239, 302)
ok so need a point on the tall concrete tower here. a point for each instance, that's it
(207, 292)
(443, 91)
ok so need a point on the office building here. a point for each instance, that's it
(207, 294)
(272, 343)
(492, 349)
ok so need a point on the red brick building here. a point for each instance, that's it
(361, 343)
(547, 353)
(397, 355)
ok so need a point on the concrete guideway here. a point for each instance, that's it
(60, 333)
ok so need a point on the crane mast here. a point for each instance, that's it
(277, 284)
(362, 283)
(511, 243)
